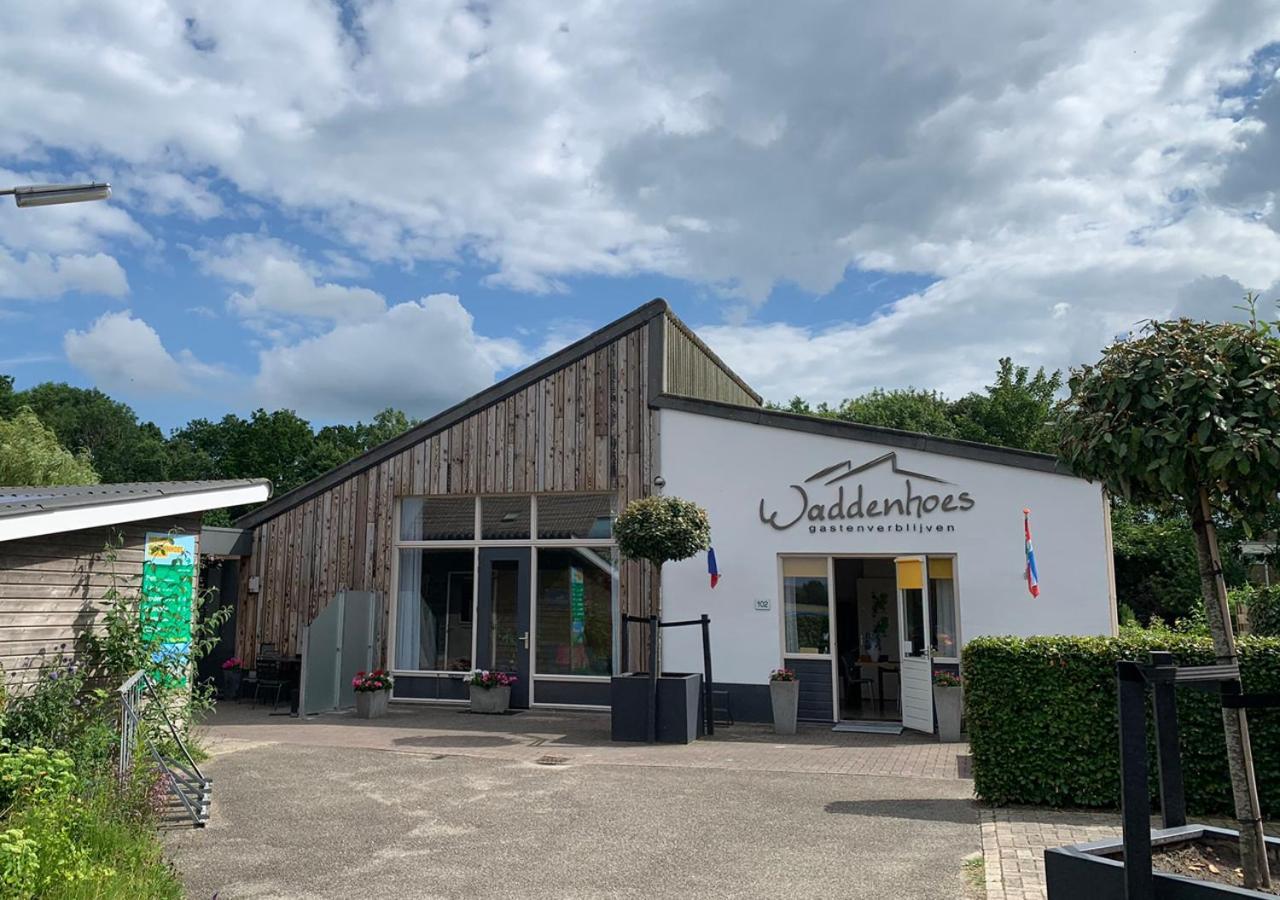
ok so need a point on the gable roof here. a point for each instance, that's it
(506, 387)
(34, 511)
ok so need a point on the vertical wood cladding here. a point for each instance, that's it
(586, 426)
(692, 370)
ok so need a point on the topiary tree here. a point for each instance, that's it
(1187, 413)
(662, 530)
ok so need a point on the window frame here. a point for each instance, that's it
(475, 545)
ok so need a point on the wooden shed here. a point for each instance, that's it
(63, 548)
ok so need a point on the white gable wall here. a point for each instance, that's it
(729, 467)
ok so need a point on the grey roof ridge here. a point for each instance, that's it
(874, 434)
(441, 420)
(101, 494)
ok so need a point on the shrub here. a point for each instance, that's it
(30, 774)
(662, 529)
(75, 847)
(1042, 719)
(1263, 604)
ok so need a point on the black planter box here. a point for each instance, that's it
(1096, 870)
(679, 696)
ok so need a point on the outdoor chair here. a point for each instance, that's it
(270, 679)
(722, 712)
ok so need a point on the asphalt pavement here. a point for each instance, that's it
(291, 820)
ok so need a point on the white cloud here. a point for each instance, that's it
(1062, 171)
(420, 356)
(40, 275)
(278, 284)
(124, 354)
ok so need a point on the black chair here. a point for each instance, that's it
(851, 672)
(721, 711)
(270, 677)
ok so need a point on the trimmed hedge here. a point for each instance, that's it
(1042, 722)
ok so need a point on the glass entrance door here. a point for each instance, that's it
(502, 617)
(914, 633)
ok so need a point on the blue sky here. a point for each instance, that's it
(337, 209)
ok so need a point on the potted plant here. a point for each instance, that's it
(948, 701)
(490, 691)
(372, 690)
(657, 705)
(232, 677)
(784, 692)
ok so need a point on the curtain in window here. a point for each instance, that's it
(409, 606)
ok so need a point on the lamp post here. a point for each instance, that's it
(51, 194)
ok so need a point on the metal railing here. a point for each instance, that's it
(183, 779)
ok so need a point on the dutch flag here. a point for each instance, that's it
(712, 569)
(1033, 579)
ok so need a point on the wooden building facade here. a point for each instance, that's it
(581, 423)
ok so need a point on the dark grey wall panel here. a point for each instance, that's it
(815, 688)
(589, 693)
(429, 687)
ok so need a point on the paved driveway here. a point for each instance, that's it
(435, 803)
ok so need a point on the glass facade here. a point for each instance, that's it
(576, 595)
(438, 518)
(576, 517)
(434, 610)
(806, 605)
(575, 585)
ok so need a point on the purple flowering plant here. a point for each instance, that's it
(485, 679)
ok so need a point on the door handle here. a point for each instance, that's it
(524, 638)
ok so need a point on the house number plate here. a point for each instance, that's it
(763, 605)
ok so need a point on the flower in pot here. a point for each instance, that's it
(490, 691)
(372, 691)
(232, 677)
(948, 702)
(784, 693)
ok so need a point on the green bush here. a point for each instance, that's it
(82, 847)
(1042, 721)
(1263, 604)
(33, 773)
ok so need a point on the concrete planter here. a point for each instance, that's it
(232, 679)
(371, 704)
(679, 707)
(948, 704)
(785, 696)
(492, 701)
(1096, 869)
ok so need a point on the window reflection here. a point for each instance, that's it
(433, 610)
(577, 592)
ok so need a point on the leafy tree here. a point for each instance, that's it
(8, 406)
(1016, 411)
(31, 455)
(1157, 574)
(121, 448)
(1186, 414)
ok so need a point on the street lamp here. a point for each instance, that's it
(50, 194)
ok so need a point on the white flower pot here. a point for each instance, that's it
(371, 704)
(490, 700)
(786, 703)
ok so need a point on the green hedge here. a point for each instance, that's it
(1042, 726)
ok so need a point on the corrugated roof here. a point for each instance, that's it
(18, 501)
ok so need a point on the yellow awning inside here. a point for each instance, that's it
(910, 574)
(941, 568)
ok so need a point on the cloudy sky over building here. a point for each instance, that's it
(338, 207)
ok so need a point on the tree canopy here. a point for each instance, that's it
(31, 455)
(1016, 410)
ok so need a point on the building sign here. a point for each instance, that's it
(577, 618)
(834, 499)
(168, 586)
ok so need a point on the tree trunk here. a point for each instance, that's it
(1244, 787)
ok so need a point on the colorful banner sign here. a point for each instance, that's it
(577, 619)
(165, 609)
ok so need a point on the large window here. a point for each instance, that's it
(433, 610)
(438, 518)
(806, 610)
(577, 593)
(576, 517)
